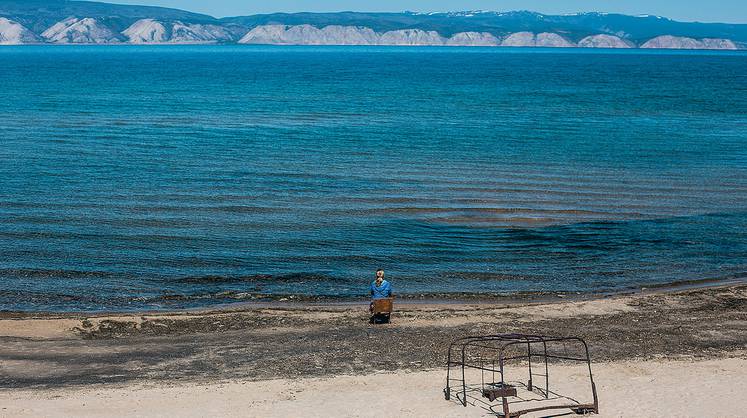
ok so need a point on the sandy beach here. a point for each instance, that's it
(713, 388)
(673, 353)
(199, 201)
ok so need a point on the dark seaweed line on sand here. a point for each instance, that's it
(452, 298)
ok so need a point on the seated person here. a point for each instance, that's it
(380, 288)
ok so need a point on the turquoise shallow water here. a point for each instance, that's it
(167, 177)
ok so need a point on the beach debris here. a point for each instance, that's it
(488, 368)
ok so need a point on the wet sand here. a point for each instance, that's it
(43, 354)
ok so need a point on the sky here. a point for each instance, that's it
(732, 11)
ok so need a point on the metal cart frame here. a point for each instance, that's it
(460, 357)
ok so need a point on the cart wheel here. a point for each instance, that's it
(447, 394)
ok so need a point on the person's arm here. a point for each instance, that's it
(389, 290)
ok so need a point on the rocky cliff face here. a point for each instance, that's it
(411, 37)
(356, 35)
(197, 33)
(91, 30)
(107, 23)
(473, 39)
(671, 42)
(80, 31)
(604, 41)
(267, 34)
(553, 40)
(681, 42)
(519, 39)
(310, 35)
(13, 33)
(545, 39)
(147, 31)
(337, 35)
(717, 43)
(349, 35)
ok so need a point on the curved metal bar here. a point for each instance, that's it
(500, 343)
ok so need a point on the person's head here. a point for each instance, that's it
(379, 275)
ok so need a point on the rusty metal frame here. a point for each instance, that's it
(458, 357)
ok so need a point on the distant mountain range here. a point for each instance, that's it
(82, 22)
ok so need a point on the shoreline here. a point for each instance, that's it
(290, 342)
(440, 299)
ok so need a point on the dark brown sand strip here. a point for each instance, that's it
(263, 342)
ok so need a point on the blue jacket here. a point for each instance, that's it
(380, 292)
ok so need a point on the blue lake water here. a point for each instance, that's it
(169, 177)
